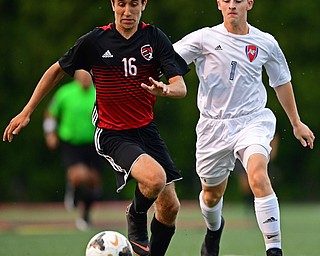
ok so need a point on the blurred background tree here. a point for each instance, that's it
(35, 34)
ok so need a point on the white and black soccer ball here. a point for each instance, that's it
(109, 243)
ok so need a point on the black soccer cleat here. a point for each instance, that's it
(138, 233)
(210, 245)
(274, 252)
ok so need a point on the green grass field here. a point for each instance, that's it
(48, 230)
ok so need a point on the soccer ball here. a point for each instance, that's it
(109, 243)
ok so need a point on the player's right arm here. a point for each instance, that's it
(49, 79)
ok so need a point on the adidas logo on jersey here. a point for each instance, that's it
(107, 54)
(218, 48)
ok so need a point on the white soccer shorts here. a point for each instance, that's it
(220, 140)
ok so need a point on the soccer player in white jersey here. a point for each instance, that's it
(234, 121)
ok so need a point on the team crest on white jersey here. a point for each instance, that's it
(251, 52)
(147, 52)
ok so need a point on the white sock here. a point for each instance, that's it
(212, 216)
(268, 217)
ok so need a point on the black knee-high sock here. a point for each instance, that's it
(160, 237)
(89, 196)
(88, 200)
(140, 203)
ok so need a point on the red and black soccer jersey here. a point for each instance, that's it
(119, 66)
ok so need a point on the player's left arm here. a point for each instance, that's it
(286, 98)
(175, 89)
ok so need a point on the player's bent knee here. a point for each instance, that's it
(212, 198)
(261, 186)
(167, 212)
(151, 188)
(259, 181)
(157, 184)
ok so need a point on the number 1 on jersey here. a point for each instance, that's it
(233, 70)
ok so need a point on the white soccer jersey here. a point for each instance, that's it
(229, 68)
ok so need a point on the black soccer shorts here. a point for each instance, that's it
(122, 149)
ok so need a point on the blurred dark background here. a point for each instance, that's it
(34, 34)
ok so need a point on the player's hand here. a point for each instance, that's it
(15, 126)
(304, 135)
(156, 88)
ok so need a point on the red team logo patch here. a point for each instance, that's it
(251, 52)
(147, 51)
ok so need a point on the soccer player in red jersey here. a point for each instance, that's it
(126, 59)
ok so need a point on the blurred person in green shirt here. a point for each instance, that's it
(67, 126)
